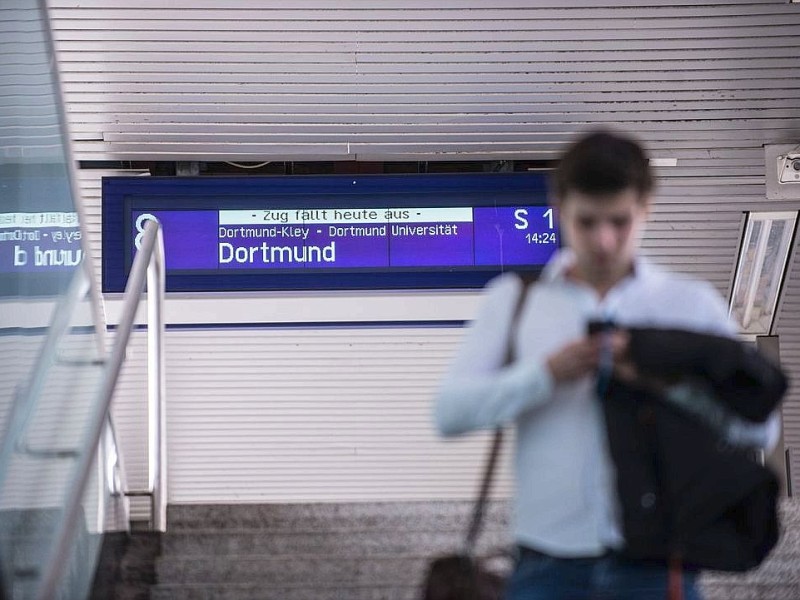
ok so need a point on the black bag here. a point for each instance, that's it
(463, 576)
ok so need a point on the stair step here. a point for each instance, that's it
(383, 570)
(352, 543)
(750, 591)
(416, 516)
(778, 567)
(272, 592)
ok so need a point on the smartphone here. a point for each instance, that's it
(600, 326)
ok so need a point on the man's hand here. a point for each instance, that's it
(582, 356)
(575, 360)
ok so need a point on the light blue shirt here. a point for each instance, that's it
(565, 501)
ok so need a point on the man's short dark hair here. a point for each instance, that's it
(602, 163)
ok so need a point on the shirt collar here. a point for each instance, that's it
(557, 267)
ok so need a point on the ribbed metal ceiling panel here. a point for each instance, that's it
(349, 80)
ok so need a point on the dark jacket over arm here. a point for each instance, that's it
(683, 490)
(741, 378)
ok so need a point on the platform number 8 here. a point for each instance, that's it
(140, 223)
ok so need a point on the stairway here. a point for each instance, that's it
(369, 552)
(311, 552)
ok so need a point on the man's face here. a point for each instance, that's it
(604, 233)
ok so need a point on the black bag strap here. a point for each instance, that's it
(480, 504)
(479, 508)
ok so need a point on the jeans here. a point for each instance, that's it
(610, 577)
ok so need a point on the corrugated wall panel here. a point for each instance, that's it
(89, 187)
(29, 119)
(788, 328)
(129, 413)
(707, 84)
(305, 415)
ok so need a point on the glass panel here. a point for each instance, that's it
(46, 432)
(49, 347)
(762, 263)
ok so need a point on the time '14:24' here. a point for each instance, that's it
(541, 238)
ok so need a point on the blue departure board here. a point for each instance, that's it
(331, 232)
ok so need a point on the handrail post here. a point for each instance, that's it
(156, 385)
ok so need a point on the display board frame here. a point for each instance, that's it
(125, 197)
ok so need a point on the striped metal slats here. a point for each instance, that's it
(29, 119)
(304, 415)
(788, 328)
(347, 80)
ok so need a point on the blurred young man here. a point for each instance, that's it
(566, 521)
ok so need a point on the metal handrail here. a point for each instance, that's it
(148, 265)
